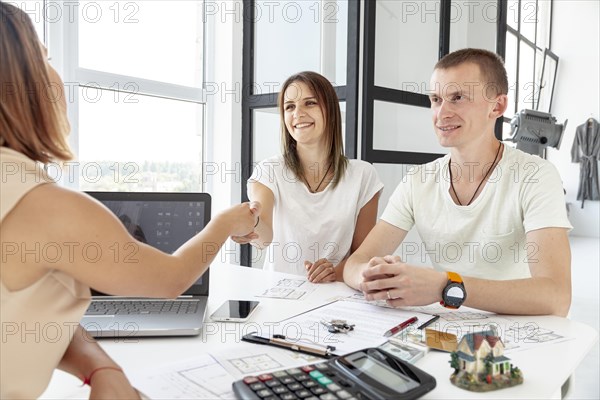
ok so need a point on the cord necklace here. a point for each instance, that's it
(320, 183)
(480, 183)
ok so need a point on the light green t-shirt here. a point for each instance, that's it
(486, 239)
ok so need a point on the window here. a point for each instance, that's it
(402, 42)
(530, 64)
(134, 73)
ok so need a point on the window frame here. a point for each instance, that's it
(521, 38)
(346, 93)
(62, 39)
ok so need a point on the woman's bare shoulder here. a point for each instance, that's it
(58, 209)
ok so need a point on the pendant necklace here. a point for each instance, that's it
(320, 183)
(480, 183)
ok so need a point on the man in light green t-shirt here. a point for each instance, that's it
(492, 218)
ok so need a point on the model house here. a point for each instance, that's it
(475, 350)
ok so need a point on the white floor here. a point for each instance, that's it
(585, 307)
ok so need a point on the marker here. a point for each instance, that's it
(400, 327)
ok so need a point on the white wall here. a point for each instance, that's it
(575, 36)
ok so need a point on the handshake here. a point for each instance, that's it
(249, 228)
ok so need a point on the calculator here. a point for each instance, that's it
(369, 374)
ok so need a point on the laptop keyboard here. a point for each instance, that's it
(112, 307)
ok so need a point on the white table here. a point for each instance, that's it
(545, 369)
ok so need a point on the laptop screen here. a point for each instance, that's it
(162, 220)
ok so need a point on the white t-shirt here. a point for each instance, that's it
(487, 238)
(309, 226)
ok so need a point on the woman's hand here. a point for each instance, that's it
(242, 218)
(255, 208)
(320, 271)
(85, 359)
(245, 239)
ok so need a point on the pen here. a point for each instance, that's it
(299, 347)
(427, 323)
(400, 326)
(315, 349)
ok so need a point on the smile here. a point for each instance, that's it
(448, 128)
(303, 125)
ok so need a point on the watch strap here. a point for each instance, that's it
(454, 277)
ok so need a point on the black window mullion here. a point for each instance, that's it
(501, 49)
(352, 68)
(368, 80)
(400, 96)
(444, 38)
(501, 28)
(247, 77)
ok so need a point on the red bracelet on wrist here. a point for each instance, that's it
(88, 380)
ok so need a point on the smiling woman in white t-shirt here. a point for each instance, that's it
(318, 206)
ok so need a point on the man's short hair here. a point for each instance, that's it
(491, 66)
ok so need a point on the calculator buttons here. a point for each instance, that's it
(315, 374)
(309, 383)
(328, 396)
(333, 387)
(318, 390)
(279, 389)
(263, 393)
(257, 386)
(324, 380)
(303, 393)
(293, 371)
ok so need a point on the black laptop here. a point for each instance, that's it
(164, 221)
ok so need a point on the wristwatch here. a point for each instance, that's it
(454, 294)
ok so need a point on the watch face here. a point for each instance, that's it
(454, 295)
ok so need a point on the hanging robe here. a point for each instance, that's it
(586, 151)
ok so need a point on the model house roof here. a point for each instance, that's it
(474, 340)
(465, 356)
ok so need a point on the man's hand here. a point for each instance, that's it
(320, 271)
(375, 261)
(400, 284)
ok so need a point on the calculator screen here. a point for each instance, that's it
(383, 374)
